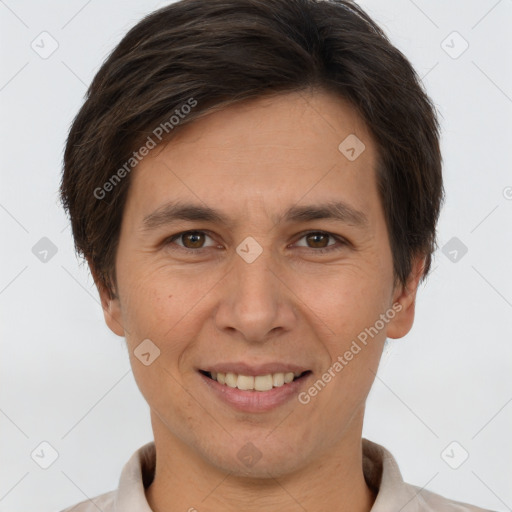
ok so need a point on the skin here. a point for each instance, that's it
(252, 161)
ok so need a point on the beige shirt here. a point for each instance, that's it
(380, 470)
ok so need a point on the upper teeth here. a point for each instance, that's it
(258, 383)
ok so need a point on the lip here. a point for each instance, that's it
(254, 370)
(256, 401)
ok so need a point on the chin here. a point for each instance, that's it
(259, 460)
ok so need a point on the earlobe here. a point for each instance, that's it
(112, 313)
(405, 296)
(110, 305)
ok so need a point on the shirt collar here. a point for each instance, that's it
(137, 474)
(381, 472)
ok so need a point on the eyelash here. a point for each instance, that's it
(320, 250)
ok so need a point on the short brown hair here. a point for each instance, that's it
(219, 52)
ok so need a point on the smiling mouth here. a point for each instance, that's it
(255, 383)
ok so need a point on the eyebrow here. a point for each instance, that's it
(334, 210)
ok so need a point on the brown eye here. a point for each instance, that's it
(319, 240)
(193, 239)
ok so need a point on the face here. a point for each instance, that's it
(230, 261)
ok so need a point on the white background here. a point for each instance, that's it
(66, 379)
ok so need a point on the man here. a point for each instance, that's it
(256, 186)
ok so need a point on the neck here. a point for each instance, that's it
(186, 481)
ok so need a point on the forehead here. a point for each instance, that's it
(270, 152)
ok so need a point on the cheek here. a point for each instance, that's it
(147, 307)
(165, 309)
(350, 299)
(352, 305)
(354, 350)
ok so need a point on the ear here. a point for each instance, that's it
(111, 305)
(402, 323)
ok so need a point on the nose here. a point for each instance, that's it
(255, 302)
